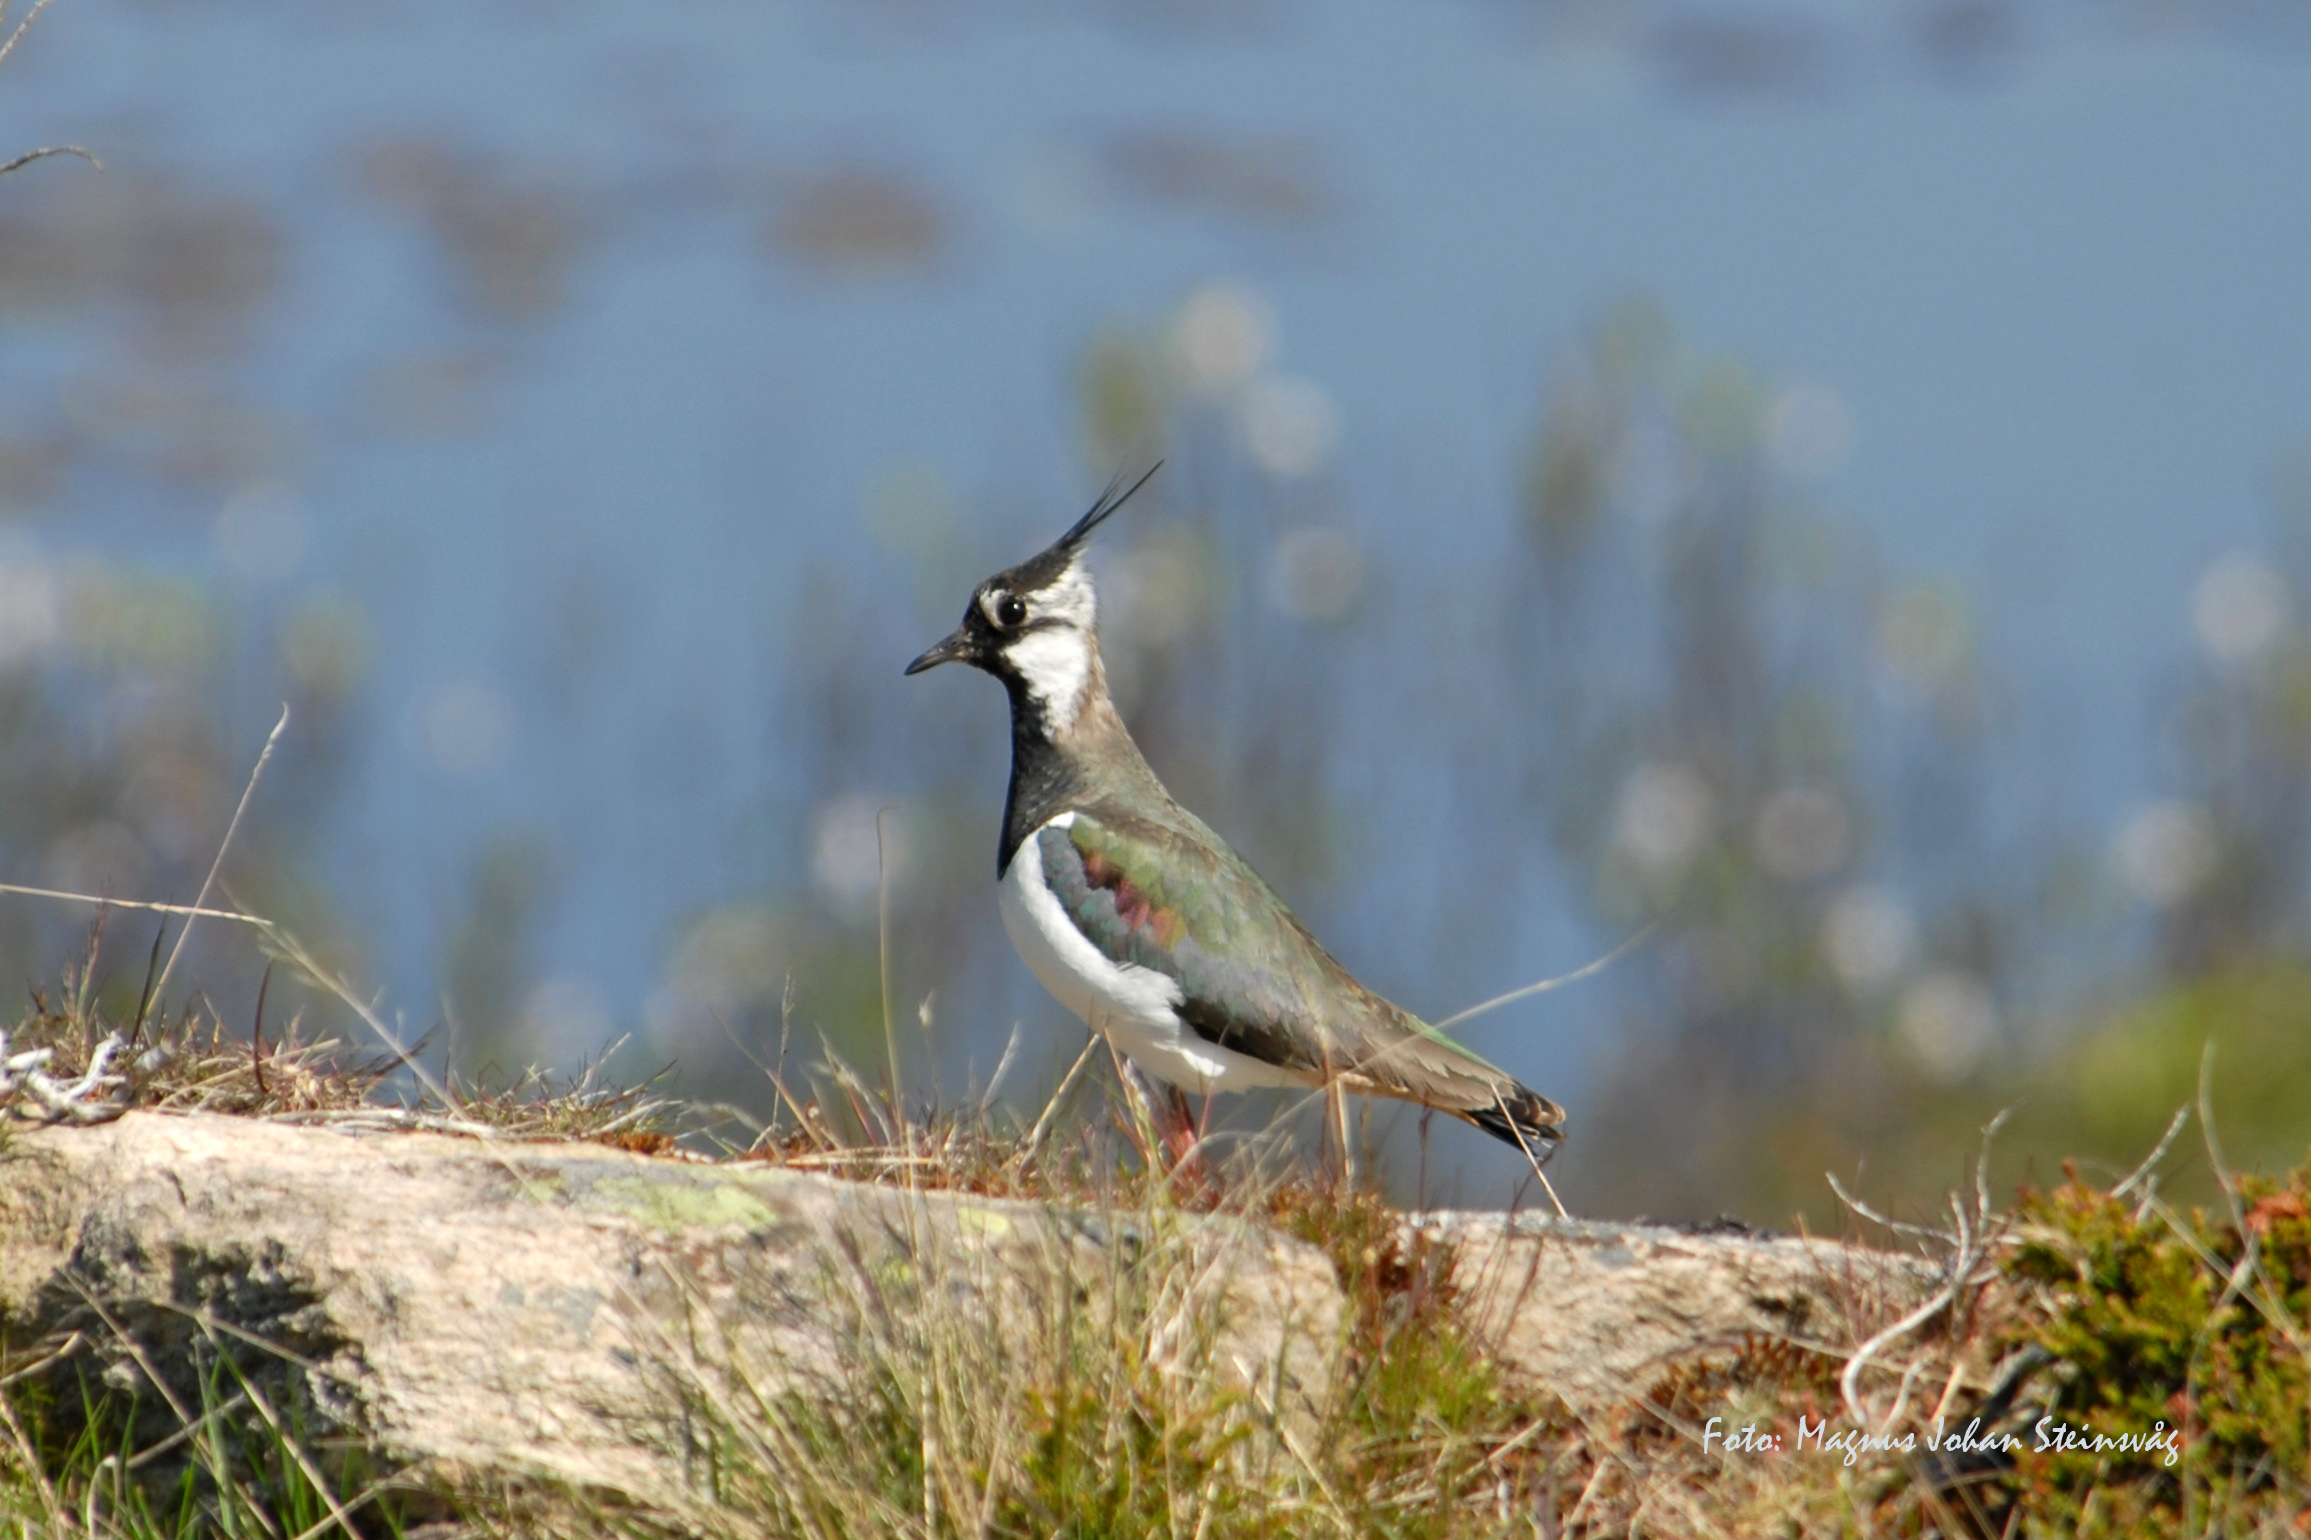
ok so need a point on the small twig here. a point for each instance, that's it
(1982, 1166)
(883, 964)
(1051, 1108)
(1902, 1395)
(359, 1500)
(1533, 1430)
(190, 1430)
(128, 1345)
(102, 902)
(70, 1345)
(1971, 1249)
(387, 1117)
(212, 1323)
(151, 965)
(2250, 1251)
(257, 1030)
(2223, 1179)
(2158, 1153)
(1546, 1186)
(22, 27)
(281, 1433)
(640, 1113)
(29, 1460)
(1950, 1387)
(870, 1112)
(1586, 970)
(1871, 1214)
(836, 1159)
(1002, 1067)
(209, 883)
(1849, 1382)
(27, 1072)
(47, 150)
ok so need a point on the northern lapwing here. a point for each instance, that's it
(1144, 922)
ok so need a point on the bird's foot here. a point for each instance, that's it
(1177, 1128)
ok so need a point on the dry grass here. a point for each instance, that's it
(1101, 1417)
(72, 1060)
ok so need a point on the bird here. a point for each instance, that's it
(1147, 924)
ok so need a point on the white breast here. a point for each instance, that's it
(1134, 1006)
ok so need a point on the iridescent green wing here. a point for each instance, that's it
(1152, 896)
(1251, 978)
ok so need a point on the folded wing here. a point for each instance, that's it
(1251, 977)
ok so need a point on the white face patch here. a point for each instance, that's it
(1054, 658)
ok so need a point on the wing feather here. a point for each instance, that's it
(1253, 979)
(1148, 897)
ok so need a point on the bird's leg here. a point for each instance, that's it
(1538, 1161)
(1427, 1116)
(1167, 1124)
(1336, 1108)
(1180, 1136)
(1139, 1098)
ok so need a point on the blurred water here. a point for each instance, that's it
(596, 330)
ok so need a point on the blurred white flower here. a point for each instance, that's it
(567, 1010)
(849, 854)
(1289, 425)
(1801, 833)
(1221, 336)
(261, 534)
(1319, 573)
(1664, 817)
(1725, 959)
(1923, 636)
(467, 728)
(1809, 430)
(1649, 469)
(28, 610)
(1868, 935)
(728, 961)
(1949, 1020)
(2164, 852)
(1154, 592)
(2239, 608)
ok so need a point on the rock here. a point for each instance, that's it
(1595, 1312)
(554, 1310)
(484, 1308)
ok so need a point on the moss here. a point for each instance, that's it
(677, 1200)
(2161, 1322)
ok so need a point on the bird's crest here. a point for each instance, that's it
(1109, 501)
(1048, 565)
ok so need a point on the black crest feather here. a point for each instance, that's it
(1045, 566)
(1108, 502)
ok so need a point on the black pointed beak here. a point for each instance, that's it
(957, 648)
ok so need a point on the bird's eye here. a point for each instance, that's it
(1010, 610)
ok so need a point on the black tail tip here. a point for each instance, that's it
(1525, 1119)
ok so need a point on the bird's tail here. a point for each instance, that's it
(1524, 1118)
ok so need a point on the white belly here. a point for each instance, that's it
(1132, 1005)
